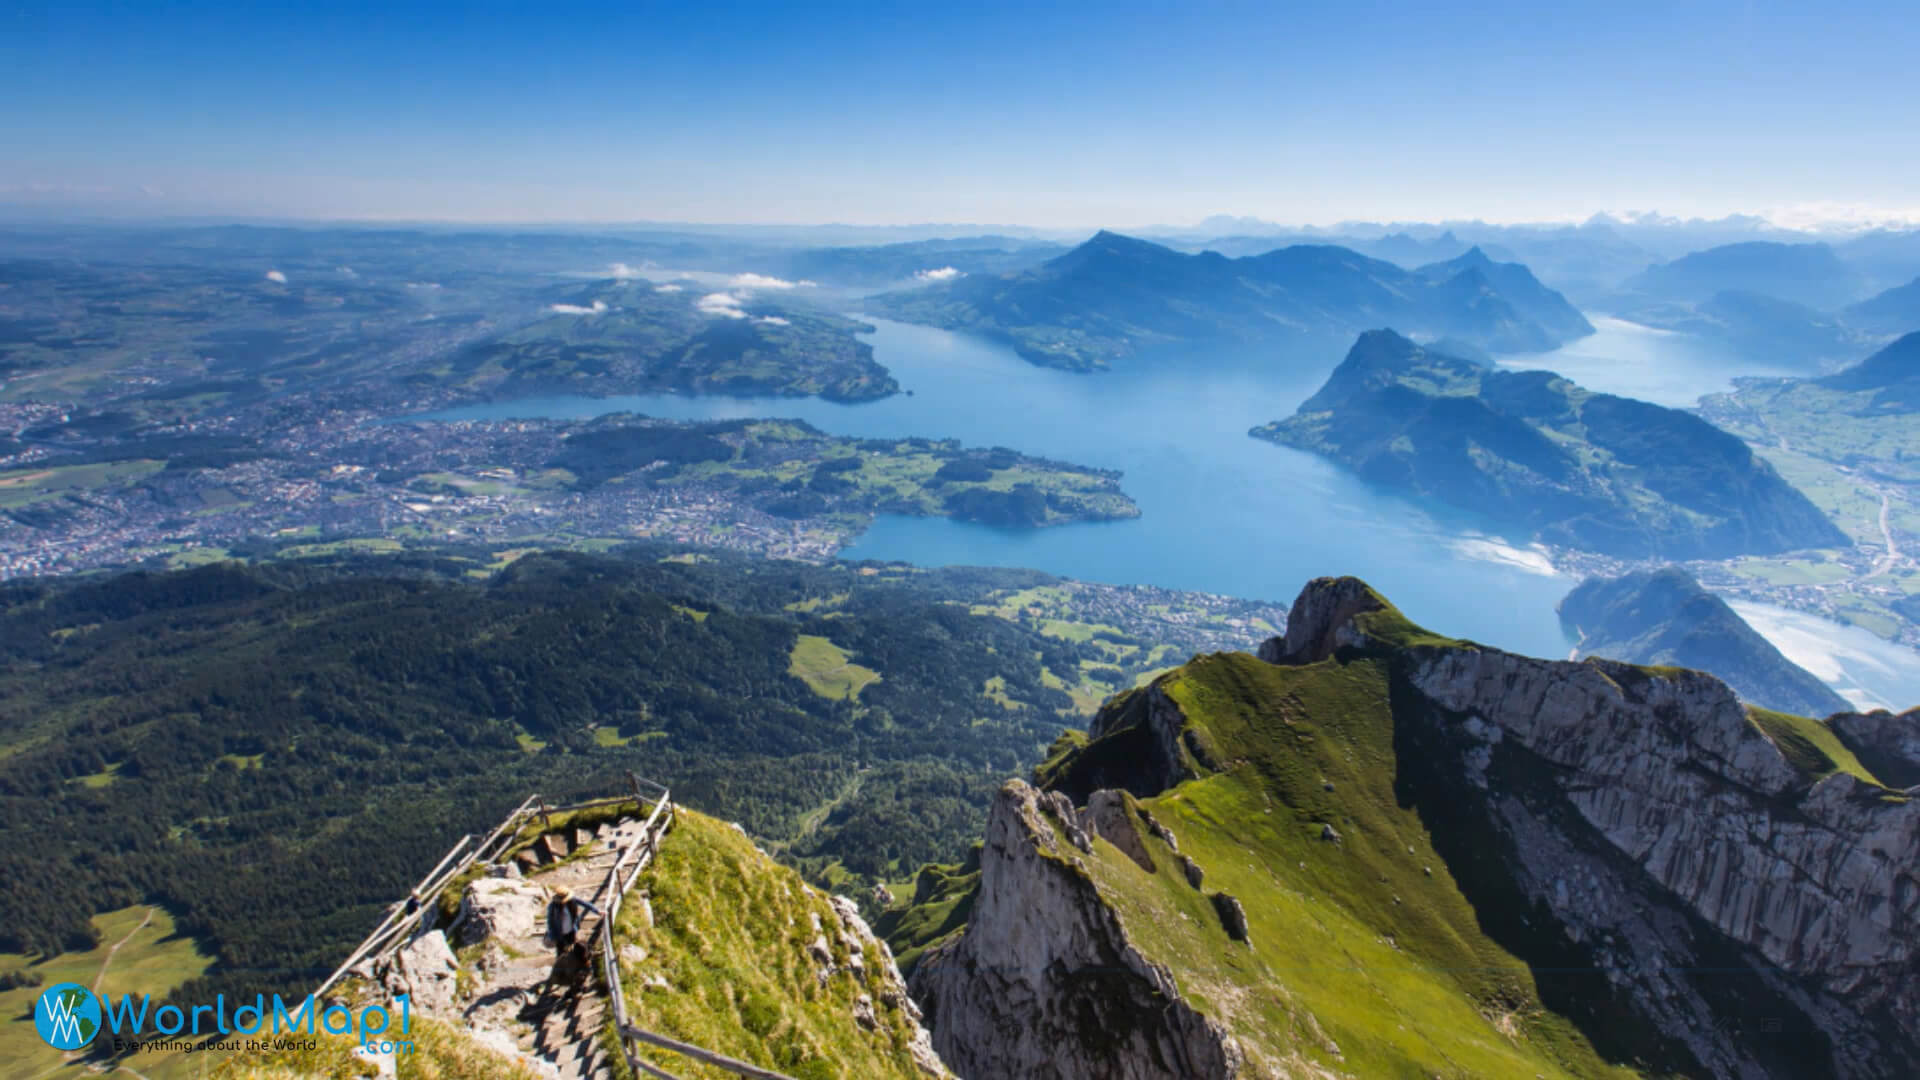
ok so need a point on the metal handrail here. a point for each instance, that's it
(386, 936)
(733, 1065)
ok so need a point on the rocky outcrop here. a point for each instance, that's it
(427, 971)
(1045, 983)
(1756, 921)
(500, 907)
(1139, 745)
(1106, 815)
(1888, 744)
(1321, 621)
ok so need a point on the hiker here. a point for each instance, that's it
(565, 912)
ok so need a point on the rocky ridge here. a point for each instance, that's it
(1813, 883)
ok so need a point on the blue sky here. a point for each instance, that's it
(1048, 114)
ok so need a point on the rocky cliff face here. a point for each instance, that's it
(1699, 888)
(1045, 982)
(1757, 918)
(1886, 743)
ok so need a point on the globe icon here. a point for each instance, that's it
(67, 1016)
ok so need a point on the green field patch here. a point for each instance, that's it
(21, 487)
(695, 614)
(103, 778)
(828, 669)
(359, 545)
(150, 958)
(815, 603)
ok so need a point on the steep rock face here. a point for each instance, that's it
(1045, 984)
(1886, 743)
(1753, 920)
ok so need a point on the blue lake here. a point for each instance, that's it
(1221, 512)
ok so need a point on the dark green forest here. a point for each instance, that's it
(275, 752)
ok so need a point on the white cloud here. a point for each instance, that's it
(945, 273)
(666, 288)
(348, 271)
(423, 284)
(721, 303)
(575, 309)
(774, 320)
(623, 271)
(1843, 217)
(761, 281)
(276, 277)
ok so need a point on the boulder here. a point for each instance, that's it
(1106, 814)
(426, 969)
(1233, 917)
(501, 908)
(1192, 870)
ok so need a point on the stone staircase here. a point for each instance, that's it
(513, 997)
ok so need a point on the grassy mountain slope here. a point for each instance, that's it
(1364, 944)
(729, 937)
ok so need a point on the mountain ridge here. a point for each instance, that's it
(1533, 450)
(1371, 798)
(1116, 296)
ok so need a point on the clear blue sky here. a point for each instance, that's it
(1049, 114)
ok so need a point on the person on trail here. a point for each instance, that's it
(565, 912)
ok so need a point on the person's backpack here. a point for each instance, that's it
(561, 920)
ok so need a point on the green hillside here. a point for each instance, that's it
(1365, 943)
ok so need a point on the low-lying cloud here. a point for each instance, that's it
(623, 271)
(762, 281)
(666, 288)
(774, 320)
(723, 304)
(276, 277)
(945, 273)
(575, 309)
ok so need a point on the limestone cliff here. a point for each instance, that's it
(1754, 911)
(1045, 982)
(1378, 851)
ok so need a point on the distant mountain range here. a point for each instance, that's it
(1665, 617)
(1532, 450)
(1115, 296)
(1809, 274)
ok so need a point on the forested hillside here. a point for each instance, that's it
(222, 739)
